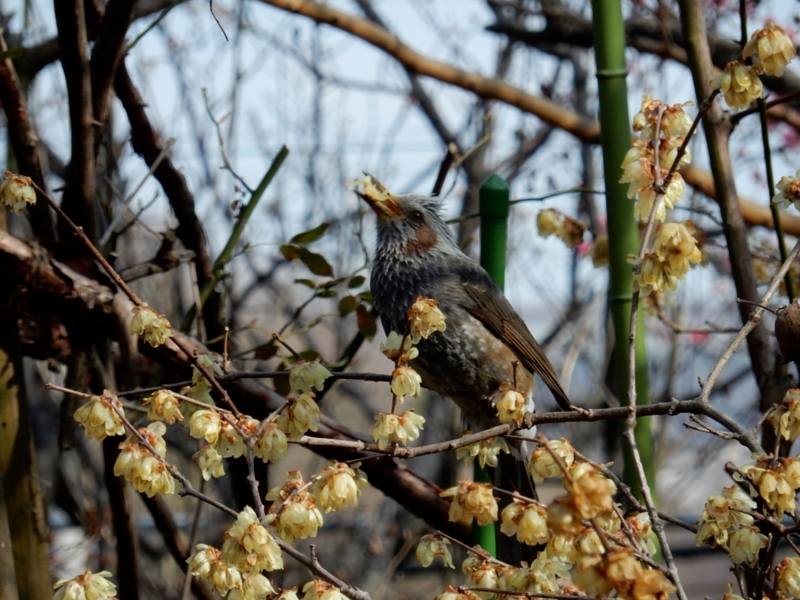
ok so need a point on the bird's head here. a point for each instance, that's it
(408, 226)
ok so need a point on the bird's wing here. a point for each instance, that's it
(486, 302)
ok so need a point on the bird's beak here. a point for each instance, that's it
(378, 197)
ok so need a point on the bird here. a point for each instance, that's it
(485, 343)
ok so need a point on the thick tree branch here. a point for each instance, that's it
(78, 199)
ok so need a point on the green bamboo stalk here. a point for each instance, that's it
(241, 221)
(494, 199)
(623, 233)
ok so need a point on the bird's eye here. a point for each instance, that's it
(416, 215)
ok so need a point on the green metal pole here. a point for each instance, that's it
(494, 208)
(623, 232)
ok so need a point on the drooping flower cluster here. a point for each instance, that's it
(785, 417)
(431, 546)
(100, 416)
(151, 326)
(472, 500)
(249, 547)
(675, 251)
(338, 486)
(526, 520)
(300, 415)
(307, 376)
(486, 451)
(294, 513)
(396, 428)
(542, 464)
(553, 222)
(163, 406)
(87, 586)
(639, 165)
(776, 486)
(724, 514)
(16, 192)
(770, 50)
(148, 473)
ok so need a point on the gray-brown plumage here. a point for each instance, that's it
(417, 256)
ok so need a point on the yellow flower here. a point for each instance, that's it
(482, 573)
(287, 595)
(510, 405)
(390, 347)
(271, 444)
(674, 120)
(773, 486)
(294, 513)
(745, 544)
(338, 486)
(789, 191)
(453, 594)
(785, 417)
(552, 222)
(249, 547)
(588, 542)
(599, 574)
(306, 376)
(562, 546)
(541, 577)
(147, 473)
(676, 246)
(739, 83)
(652, 274)
(398, 428)
(592, 491)
(652, 585)
(406, 382)
(254, 587)
(206, 423)
(485, 450)
(321, 590)
(89, 586)
(431, 546)
(527, 520)
(230, 442)
(426, 318)
(300, 415)
(207, 563)
(153, 327)
(16, 191)
(548, 222)
(542, 464)
(643, 533)
(722, 513)
(788, 571)
(100, 416)
(471, 500)
(210, 462)
(771, 48)
(163, 406)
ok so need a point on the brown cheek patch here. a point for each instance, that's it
(425, 240)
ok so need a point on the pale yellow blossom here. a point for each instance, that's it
(248, 545)
(406, 382)
(486, 451)
(398, 428)
(207, 563)
(16, 191)
(254, 587)
(338, 486)
(510, 404)
(425, 317)
(163, 406)
(526, 520)
(677, 247)
(271, 444)
(789, 191)
(151, 326)
(745, 543)
(206, 424)
(788, 571)
(100, 416)
(300, 415)
(739, 83)
(321, 590)
(305, 376)
(542, 464)
(471, 500)
(591, 490)
(390, 347)
(294, 513)
(88, 586)
(771, 49)
(431, 546)
(785, 417)
(674, 120)
(210, 462)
